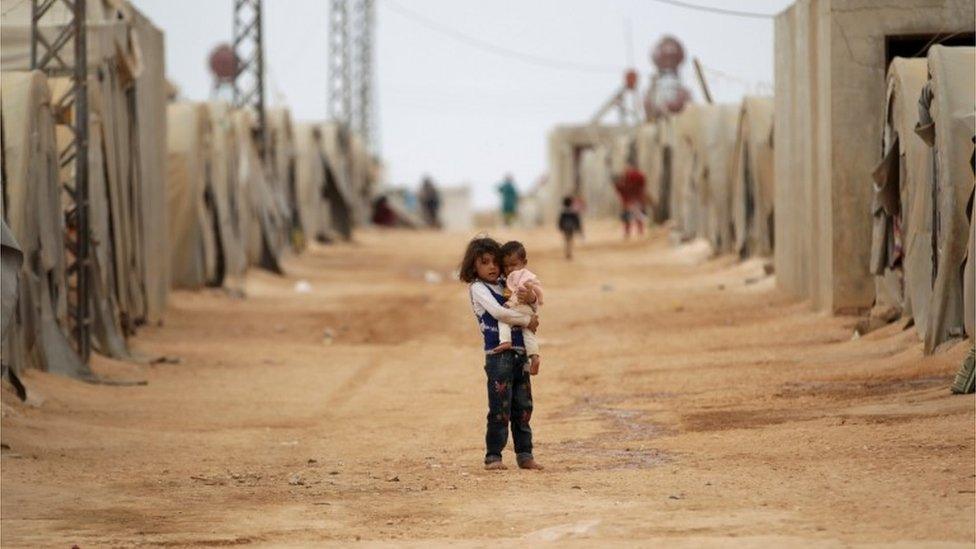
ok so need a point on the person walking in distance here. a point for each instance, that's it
(631, 187)
(569, 224)
(430, 201)
(510, 199)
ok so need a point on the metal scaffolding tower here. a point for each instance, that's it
(340, 64)
(351, 39)
(363, 123)
(248, 47)
(63, 53)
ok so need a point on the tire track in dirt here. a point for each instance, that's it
(354, 383)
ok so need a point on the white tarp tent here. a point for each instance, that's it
(753, 186)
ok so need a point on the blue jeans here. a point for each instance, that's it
(509, 403)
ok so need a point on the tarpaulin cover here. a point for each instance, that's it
(281, 170)
(952, 77)
(230, 194)
(33, 213)
(901, 249)
(716, 145)
(265, 239)
(752, 178)
(192, 251)
(309, 182)
(685, 165)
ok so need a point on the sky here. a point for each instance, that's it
(468, 114)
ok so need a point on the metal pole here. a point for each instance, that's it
(340, 77)
(701, 81)
(83, 323)
(248, 44)
(48, 56)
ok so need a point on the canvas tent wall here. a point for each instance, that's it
(948, 124)
(281, 155)
(230, 196)
(752, 179)
(338, 191)
(126, 83)
(830, 63)
(901, 248)
(265, 238)
(685, 165)
(193, 248)
(311, 207)
(125, 160)
(715, 147)
(574, 150)
(32, 209)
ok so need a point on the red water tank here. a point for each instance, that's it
(630, 79)
(668, 54)
(223, 63)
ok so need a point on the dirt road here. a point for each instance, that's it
(682, 402)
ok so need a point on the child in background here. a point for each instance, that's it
(519, 279)
(569, 225)
(509, 388)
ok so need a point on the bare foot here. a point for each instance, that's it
(504, 346)
(534, 363)
(495, 466)
(530, 464)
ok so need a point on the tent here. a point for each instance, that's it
(310, 182)
(127, 131)
(685, 205)
(230, 198)
(127, 135)
(32, 209)
(830, 62)
(947, 123)
(282, 176)
(193, 248)
(752, 179)
(901, 247)
(265, 238)
(579, 159)
(716, 144)
(338, 189)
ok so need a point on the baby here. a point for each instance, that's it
(517, 277)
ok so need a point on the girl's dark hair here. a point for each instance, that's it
(513, 247)
(478, 247)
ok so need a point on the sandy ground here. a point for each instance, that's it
(682, 402)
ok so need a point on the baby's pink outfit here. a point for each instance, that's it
(518, 280)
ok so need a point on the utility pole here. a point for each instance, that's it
(49, 55)
(248, 47)
(340, 64)
(351, 51)
(365, 21)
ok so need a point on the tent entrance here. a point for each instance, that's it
(917, 45)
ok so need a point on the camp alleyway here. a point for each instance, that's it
(682, 402)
